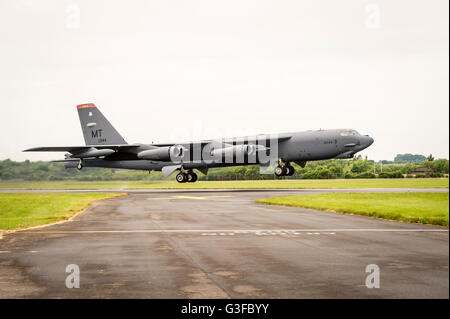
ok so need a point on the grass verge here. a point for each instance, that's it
(425, 208)
(19, 211)
(259, 184)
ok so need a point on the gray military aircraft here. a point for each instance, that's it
(105, 147)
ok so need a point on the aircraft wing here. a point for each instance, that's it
(281, 138)
(66, 160)
(58, 149)
(78, 149)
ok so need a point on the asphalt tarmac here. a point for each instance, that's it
(220, 244)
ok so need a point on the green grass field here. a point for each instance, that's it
(26, 210)
(425, 208)
(329, 183)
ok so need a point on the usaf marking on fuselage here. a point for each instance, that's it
(105, 147)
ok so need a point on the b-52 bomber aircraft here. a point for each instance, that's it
(105, 147)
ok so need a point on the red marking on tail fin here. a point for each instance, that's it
(82, 106)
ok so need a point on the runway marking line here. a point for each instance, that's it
(190, 197)
(242, 231)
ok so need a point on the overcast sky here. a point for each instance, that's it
(168, 70)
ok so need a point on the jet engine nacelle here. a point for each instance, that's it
(165, 153)
(236, 150)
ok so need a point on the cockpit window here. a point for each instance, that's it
(349, 133)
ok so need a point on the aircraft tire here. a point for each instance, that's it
(280, 171)
(80, 166)
(290, 170)
(181, 178)
(194, 178)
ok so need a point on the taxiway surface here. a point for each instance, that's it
(220, 244)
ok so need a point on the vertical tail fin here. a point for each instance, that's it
(96, 128)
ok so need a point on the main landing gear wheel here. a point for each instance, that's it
(280, 171)
(80, 165)
(289, 170)
(284, 169)
(181, 178)
(191, 177)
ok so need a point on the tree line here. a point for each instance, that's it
(326, 169)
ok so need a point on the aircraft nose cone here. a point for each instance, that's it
(369, 141)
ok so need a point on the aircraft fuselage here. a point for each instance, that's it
(105, 147)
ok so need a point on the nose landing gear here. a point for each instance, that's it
(80, 165)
